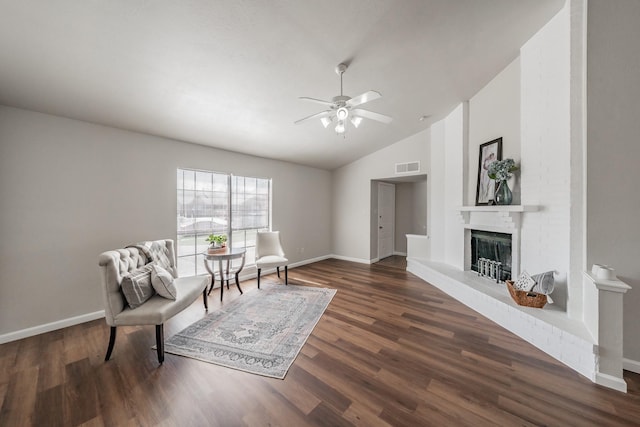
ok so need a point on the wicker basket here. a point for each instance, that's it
(527, 299)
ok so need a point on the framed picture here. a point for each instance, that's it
(489, 152)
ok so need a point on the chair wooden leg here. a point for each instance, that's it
(112, 341)
(278, 271)
(259, 270)
(204, 298)
(286, 275)
(160, 342)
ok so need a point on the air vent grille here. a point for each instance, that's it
(408, 167)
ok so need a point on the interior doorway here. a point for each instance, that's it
(386, 219)
(408, 207)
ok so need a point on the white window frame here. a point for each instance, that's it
(190, 243)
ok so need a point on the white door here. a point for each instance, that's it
(386, 219)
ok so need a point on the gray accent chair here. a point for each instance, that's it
(269, 253)
(116, 264)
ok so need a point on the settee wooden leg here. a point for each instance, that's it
(112, 341)
(259, 270)
(278, 271)
(204, 298)
(286, 275)
(160, 342)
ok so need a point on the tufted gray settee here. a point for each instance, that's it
(116, 264)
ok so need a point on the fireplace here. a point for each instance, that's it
(492, 246)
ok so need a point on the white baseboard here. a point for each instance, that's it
(611, 382)
(309, 261)
(252, 273)
(399, 253)
(48, 327)
(631, 365)
(359, 260)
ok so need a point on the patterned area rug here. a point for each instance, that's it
(259, 332)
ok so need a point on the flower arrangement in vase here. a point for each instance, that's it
(501, 171)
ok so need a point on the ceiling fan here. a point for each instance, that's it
(342, 108)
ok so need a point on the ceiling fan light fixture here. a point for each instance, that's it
(342, 113)
(343, 108)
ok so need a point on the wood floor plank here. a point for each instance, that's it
(390, 350)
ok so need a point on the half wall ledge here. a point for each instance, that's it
(550, 329)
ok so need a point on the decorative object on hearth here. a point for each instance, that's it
(489, 152)
(526, 299)
(603, 272)
(501, 171)
(490, 268)
(544, 282)
(532, 291)
(524, 282)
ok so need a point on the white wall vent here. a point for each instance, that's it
(408, 167)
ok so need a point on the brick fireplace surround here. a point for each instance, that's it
(576, 343)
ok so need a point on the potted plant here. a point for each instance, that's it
(217, 241)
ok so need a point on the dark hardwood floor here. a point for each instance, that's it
(389, 350)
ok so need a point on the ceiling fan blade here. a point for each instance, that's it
(362, 98)
(371, 115)
(317, 101)
(315, 116)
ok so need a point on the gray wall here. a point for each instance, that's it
(352, 226)
(71, 190)
(613, 150)
(411, 211)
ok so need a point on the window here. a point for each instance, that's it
(218, 203)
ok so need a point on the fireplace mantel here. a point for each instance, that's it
(509, 215)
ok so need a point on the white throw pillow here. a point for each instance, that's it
(162, 282)
(544, 282)
(524, 282)
(136, 286)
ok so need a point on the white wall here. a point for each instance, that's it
(613, 138)
(494, 112)
(455, 172)
(436, 193)
(545, 153)
(71, 190)
(352, 203)
(446, 186)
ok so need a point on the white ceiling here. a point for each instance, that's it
(228, 73)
